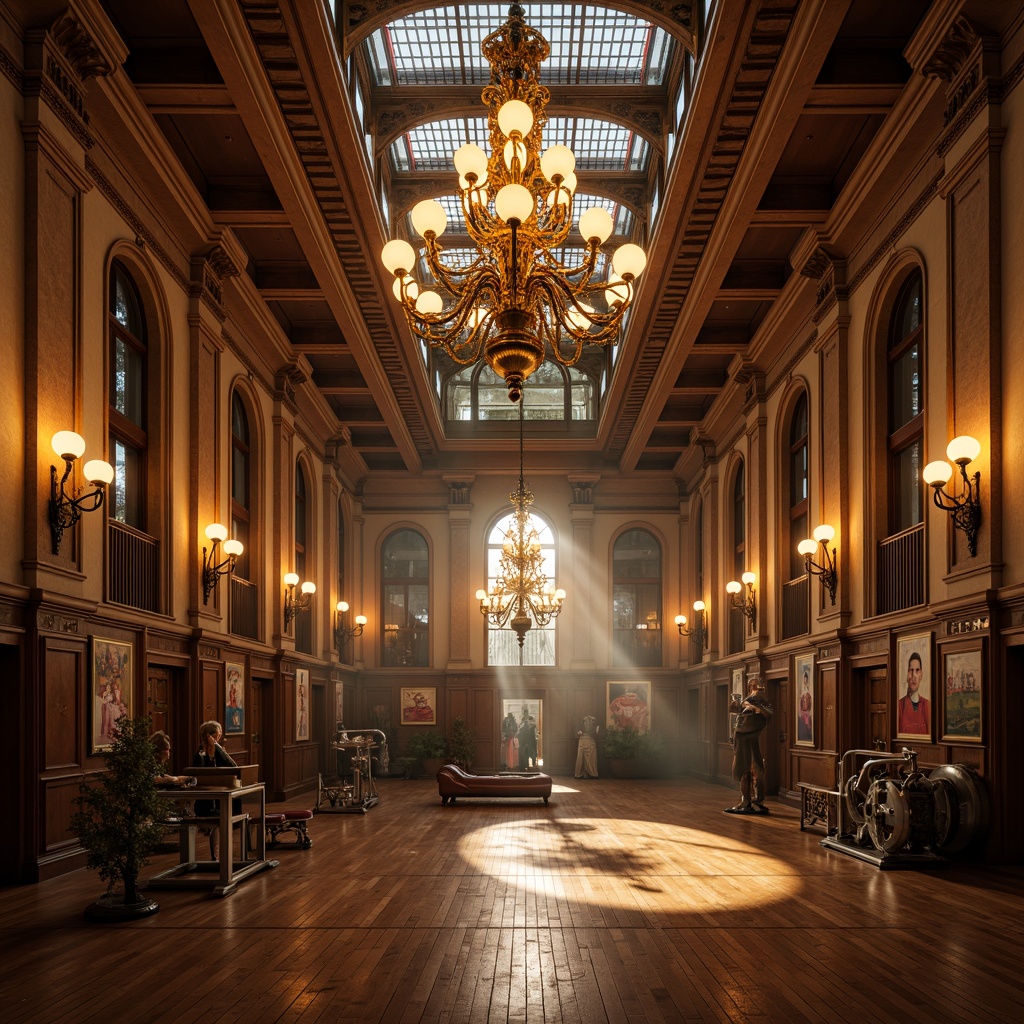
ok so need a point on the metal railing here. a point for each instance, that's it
(901, 570)
(796, 619)
(242, 613)
(132, 567)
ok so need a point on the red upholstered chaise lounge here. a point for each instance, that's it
(453, 782)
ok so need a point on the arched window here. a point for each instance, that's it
(304, 621)
(502, 644)
(636, 600)
(737, 623)
(900, 517)
(241, 484)
(127, 415)
(798, 486)
(906, 408)
(405, 590)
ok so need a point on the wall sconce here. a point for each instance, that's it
(213, 570)
(829, 576)
(965, 508)
(65, 509)
(699, 629)
(747, 604)
(343, 633)
(292, 604)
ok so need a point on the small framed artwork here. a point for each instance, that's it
(803, 691)
(914, 686)
(111, 683)
(419, 705)
(301, 704)
(234, 700)
(962, 695)
(629, 706)
(339, 704)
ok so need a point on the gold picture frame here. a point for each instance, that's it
(419, 705)
(111, 687)
(803, 700)
(963, 669)
(301, 704)
(914, 720)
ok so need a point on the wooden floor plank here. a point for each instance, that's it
(619, 901)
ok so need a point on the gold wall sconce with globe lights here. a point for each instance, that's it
(292, 604)
(964, 508)
(515, 302)
(746, 603)
(212, 569)
(342, 633)
(66, 505)
(699, 629)
(827, 572)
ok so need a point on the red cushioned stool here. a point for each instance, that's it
(289, 821)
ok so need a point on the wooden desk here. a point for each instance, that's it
(190, 872)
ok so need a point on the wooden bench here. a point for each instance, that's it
(819, 808)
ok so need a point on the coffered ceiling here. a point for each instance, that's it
(257, 100)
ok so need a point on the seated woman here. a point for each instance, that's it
(162, 754)
(211, 755)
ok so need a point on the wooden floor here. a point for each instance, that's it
(620, 901)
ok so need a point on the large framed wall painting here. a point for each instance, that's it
(301, 704)
(962, 695)
(629, 706)
(339, 704)
(419, 705)
(914, 687)
(111, 683)
(803, 689)
(234, 700)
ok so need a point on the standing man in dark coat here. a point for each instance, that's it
(528, 744)
(752, 712)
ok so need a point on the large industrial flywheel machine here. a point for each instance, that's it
(894, 815)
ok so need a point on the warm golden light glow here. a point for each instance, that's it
(624, 856)
(518, 205)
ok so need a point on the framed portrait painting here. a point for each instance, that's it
(111, 684)
(339, 704)
(234, 697)
(962, 695)
(914, 687)
(419, 705)
(803, 695)
(629, 706)
(301, 704)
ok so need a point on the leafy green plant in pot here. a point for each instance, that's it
(631, 754)
(461, 745)
(117, 821)
(429, 748)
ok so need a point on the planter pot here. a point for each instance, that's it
(432, 765)
(114, 908)
(631, 768)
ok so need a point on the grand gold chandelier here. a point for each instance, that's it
(514, 301)
(522, 594)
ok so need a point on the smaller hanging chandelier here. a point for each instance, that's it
(514, 301)
(522, 594)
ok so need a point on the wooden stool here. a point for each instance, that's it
(279, 822)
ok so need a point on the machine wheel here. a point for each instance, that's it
(961, 807)
(887, 814)
(854, 799)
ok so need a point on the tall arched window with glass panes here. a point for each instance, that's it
(636, 600)
(502, 643)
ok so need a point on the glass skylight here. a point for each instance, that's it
(589, 46)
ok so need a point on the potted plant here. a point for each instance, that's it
(117, 821)
(428, 747)
(461, 745)
(633, 755)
